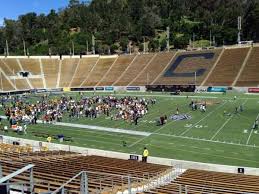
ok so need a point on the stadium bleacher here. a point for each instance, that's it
(33, 66)
(201, 181)
(115, 71)
(111, 175)
(51, 69)
(68, 67)
(98, 71)
(185, 64)
(155, 67)
(53, 168)
(228, 67)
(250, 74)
(82, 71)
(214, 67)
(138, 64)
(12, 68)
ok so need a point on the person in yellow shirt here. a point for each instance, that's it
(145, 155)
(49, 139)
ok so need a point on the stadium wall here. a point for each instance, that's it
(165, 161)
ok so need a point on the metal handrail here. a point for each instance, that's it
(66, 183)
(10, 176)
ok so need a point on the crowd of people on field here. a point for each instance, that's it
(194, 106)
(52, 110)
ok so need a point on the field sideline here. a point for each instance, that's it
(210, 137)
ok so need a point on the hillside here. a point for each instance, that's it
(116, 23)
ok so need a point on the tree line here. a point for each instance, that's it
(118, 25)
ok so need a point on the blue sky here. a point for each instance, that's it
(11, 9)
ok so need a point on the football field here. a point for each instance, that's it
(220, 135)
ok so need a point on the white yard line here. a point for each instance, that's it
(221, 128)
(169, 96)
(205, 140)
(149, 115)
(97, 128)
(202, 153)
(251, 132)
(155, 132)
(225, 123)
(186, 131)
(248, 139)
(184, 96)
(166, 125)
(108, 129)
(136, 142)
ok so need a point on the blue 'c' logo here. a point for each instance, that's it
(199, 72)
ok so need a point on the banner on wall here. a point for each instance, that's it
(99, 88)
(82, 89)
(109, 88)
(253, 90)
(214, 89)
(133, 88)
(66, 89)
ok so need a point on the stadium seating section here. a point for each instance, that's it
(82, 71)
(68, 67)
(51, 68)
(154, 68)
(33, 66)
(136, 66)
(250, 74)
(53, 168)
(215, 67)
(183, 68)
(228, 67)
(110, 175)
(116, 70)
(200, 181)
(98, 71)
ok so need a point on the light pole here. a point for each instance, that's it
(239, 26)
(195, 78)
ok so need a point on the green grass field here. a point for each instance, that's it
(207, 137)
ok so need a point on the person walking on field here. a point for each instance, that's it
(145, 155)
(256, 124)
(49, 139)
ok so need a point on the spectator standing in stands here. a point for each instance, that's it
(145, 155)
